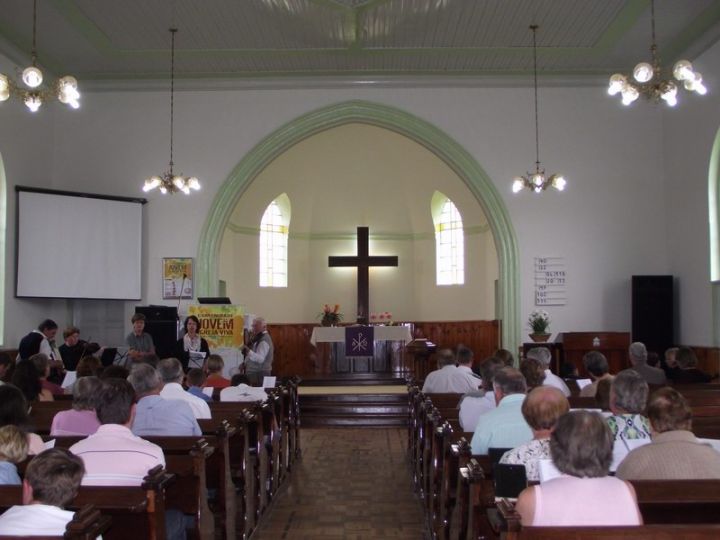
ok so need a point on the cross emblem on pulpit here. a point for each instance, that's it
(363, 261)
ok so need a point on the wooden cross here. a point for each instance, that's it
(363, 261)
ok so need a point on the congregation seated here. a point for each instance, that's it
(668, 363)
(504, 426)
(215, 365)
(13, 450)
(42, 365)
(27, 379)
(687, 371)
(674, 453)
(628, 397)
(533, 372)
(14, 412)
(51, 482)
(602, 394)
(114, 372)
(581, 447)
(88, 366)
(445, 377)
(506, 356)
(464, 373)
(114, 456)
(155, 415)
(240, 390)
(172, 376)
(541, 409)
(475, 404)
(597, 367)
(544, 356)
(81, 419)
(194, 380)
(638, 358)
(6, 364)
(568, 370)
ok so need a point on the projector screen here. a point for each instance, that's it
(77, 245)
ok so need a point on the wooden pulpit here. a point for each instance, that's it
(420, 351)
(614, 345)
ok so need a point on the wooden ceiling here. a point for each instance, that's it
(129, 39)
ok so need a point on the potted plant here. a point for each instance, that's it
(539, 322)
(330, 315)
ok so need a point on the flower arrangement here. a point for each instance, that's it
(383, 317)
(330, 315)
(539, 321)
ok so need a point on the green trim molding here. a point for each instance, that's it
(398, 121)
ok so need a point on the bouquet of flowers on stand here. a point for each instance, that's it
(330, 315)
(539, 322)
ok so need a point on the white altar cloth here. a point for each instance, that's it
(336, 334)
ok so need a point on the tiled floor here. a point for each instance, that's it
(350, 484)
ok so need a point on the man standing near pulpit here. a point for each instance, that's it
(258, 353)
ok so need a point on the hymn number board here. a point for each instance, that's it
(550, 281)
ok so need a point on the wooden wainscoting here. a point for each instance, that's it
(708, 359)
(295, 355)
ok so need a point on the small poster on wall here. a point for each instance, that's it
(177, 278)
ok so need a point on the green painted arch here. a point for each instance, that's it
(714, 208)
(399, 121)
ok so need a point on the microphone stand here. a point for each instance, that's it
(177, 310)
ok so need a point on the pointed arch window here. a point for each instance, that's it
(449, 241)
(274, 229)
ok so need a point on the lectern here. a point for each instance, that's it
(420, 350)
(614, 345)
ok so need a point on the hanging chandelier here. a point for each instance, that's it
(646, 79)
(169, 182)
(537, 181)
(31, 90)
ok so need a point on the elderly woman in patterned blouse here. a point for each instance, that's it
(628, 397)
(542, 408)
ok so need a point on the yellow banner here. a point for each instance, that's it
(221, 325)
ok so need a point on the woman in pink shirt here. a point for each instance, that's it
(581, 448)
(81, 419)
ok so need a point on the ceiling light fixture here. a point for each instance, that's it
(647, 81)
(169, 182)
(537, 181)
(31, 91)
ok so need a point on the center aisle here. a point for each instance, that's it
(350, 484)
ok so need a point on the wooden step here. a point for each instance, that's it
(357, 410)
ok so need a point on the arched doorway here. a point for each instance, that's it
(416, 129)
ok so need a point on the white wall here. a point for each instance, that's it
(606, 224)
(689, 132)
(337, 180)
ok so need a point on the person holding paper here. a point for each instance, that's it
(192, 349)
(258, 353)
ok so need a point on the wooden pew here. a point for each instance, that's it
(87, 523)
(509, 522)
(134, 512)
(185, 458)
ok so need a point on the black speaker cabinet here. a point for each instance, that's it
(161, 324)
(653, 309)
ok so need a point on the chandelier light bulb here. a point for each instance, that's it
(559, 182)
(629, 94)
(33, 102)
(4, 88)
(178, 182)
(518, 184)
(68, 81)
(185, 190)
(538, 179)
(683, 70)
(163, 190)
(617, 81)
(537, 189)
(643, 72)
(32, 77)
(193, 183)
